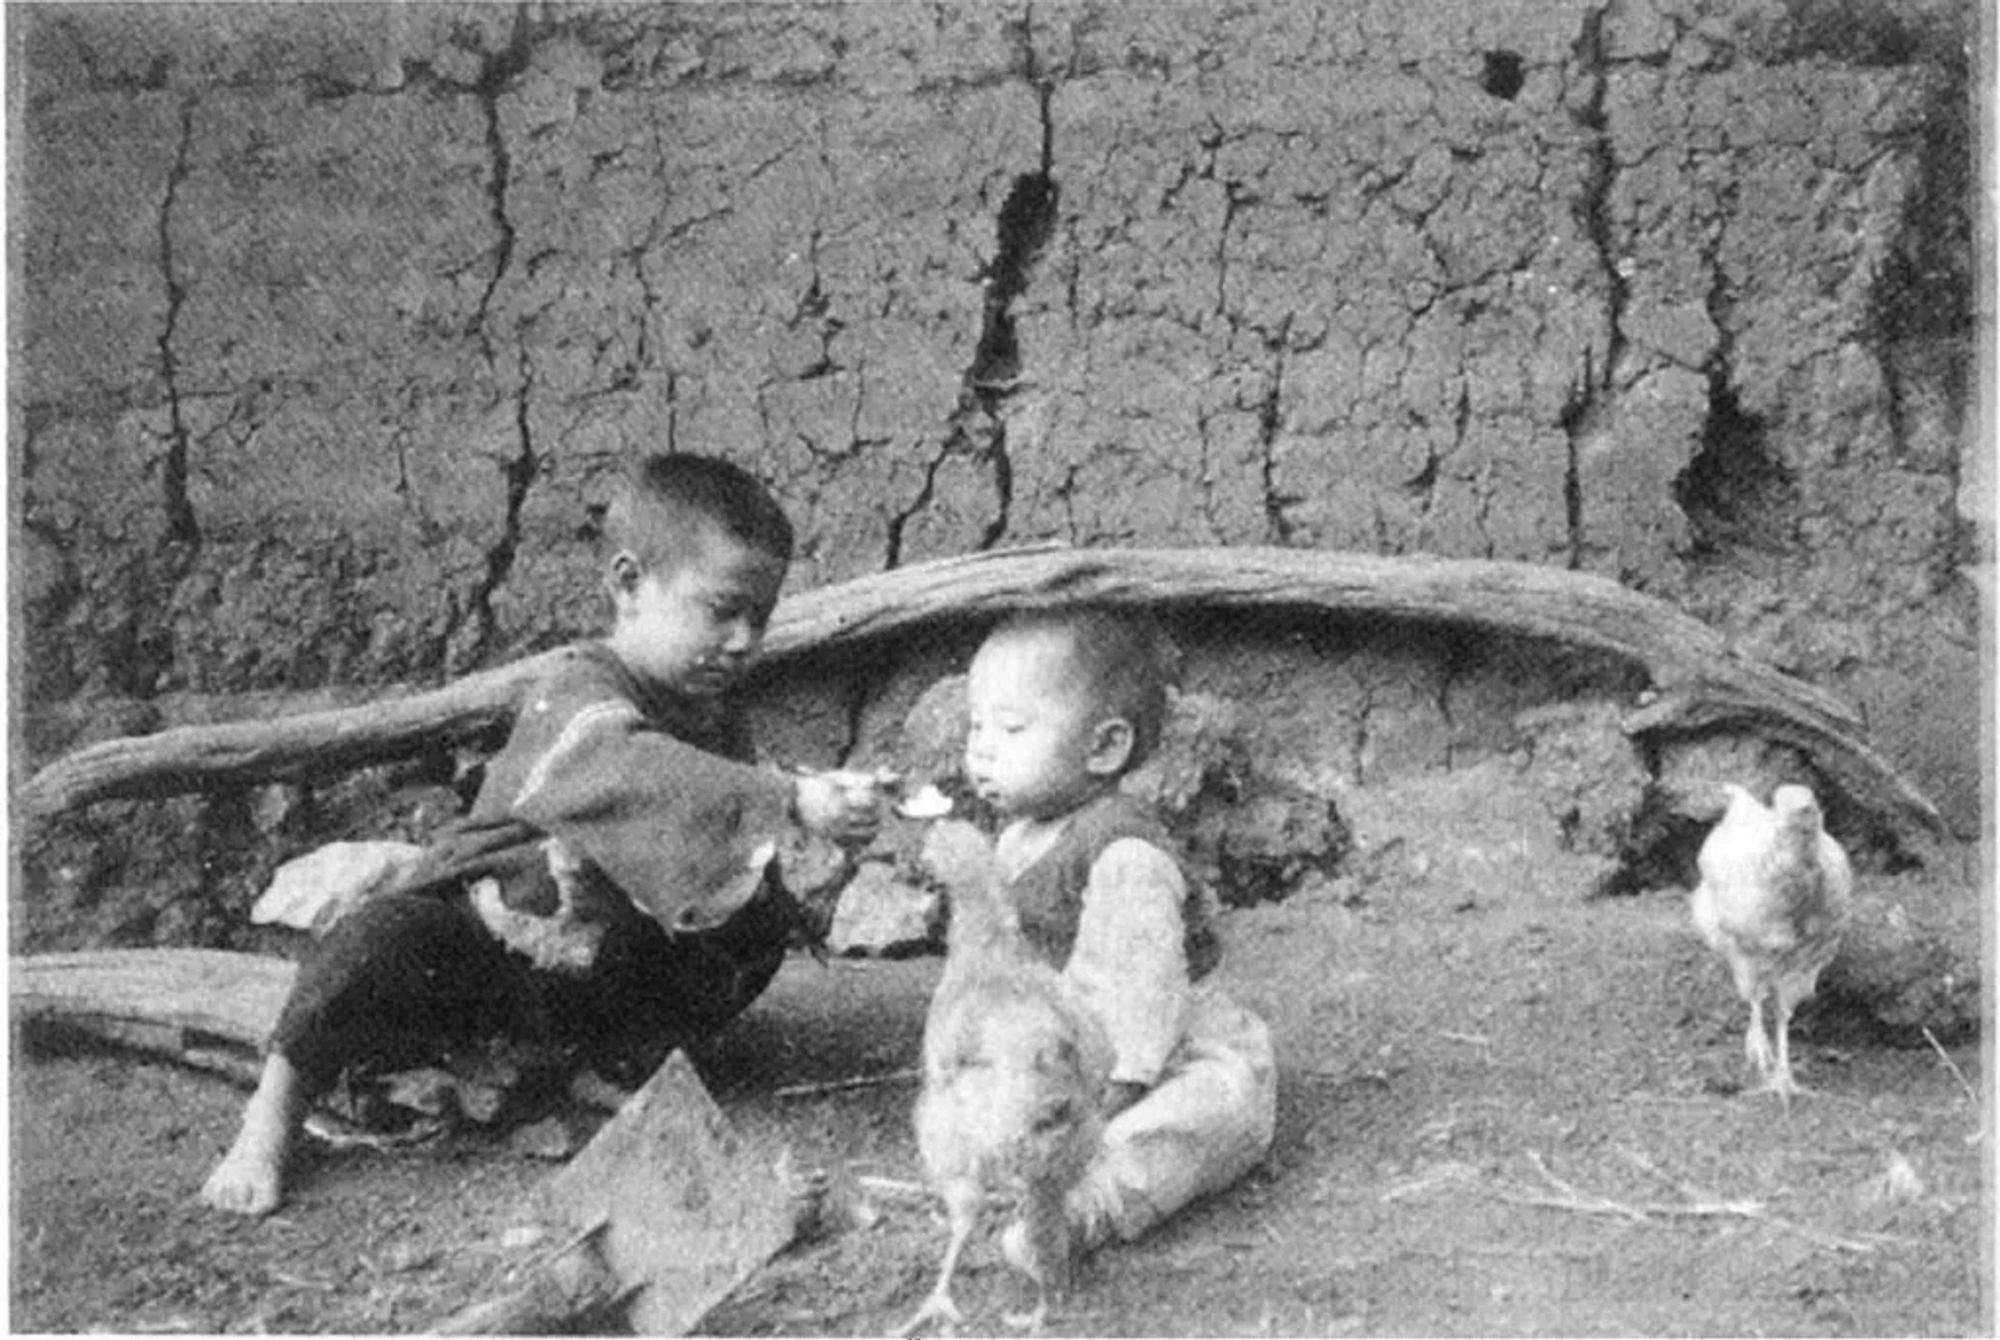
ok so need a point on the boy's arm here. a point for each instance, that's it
(684, 833)
(1130, 959)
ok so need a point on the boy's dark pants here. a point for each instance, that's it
(407, 976)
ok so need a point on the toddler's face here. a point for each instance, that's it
(696, 626)
(1029, 747)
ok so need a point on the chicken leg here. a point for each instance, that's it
(1780, 1080)
(1038, 1245)
(963, 1201)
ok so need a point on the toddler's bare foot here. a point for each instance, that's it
(250, 1178)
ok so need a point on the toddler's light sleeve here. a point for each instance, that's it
(1130, 960)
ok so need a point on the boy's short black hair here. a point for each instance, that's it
(663, 495)
(1120, 658)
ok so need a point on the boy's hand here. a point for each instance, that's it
(843, 806)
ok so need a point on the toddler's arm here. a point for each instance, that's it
(1130, 959)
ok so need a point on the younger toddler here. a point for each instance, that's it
(1063, 705)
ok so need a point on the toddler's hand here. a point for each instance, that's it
(843, 805)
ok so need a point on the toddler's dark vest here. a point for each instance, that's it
(1048, 895)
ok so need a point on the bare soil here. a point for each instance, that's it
(1499, 1115)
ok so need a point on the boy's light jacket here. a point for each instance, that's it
(614, 796)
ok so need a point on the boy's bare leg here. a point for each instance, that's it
(250, 1178)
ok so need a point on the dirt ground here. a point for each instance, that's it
(1499, 1115)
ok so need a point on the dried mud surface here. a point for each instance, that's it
(1500, 1114)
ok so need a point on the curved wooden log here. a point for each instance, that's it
(1701, 681)
(287, 748)
(164, 1000)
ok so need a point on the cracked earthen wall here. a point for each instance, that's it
(329, 322)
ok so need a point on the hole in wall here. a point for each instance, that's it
(1734, 493)
(1027, 219)
(1855, 32)
(1502, 75)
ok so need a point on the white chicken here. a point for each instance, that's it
(1773, 900)
(1014, 1080)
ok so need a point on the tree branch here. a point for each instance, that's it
(1701, 682)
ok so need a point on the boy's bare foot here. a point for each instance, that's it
(250, 1178)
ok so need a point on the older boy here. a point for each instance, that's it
(612, 889)
(1063, 705)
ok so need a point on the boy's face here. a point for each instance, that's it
(696, 625)
(1036, 749)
